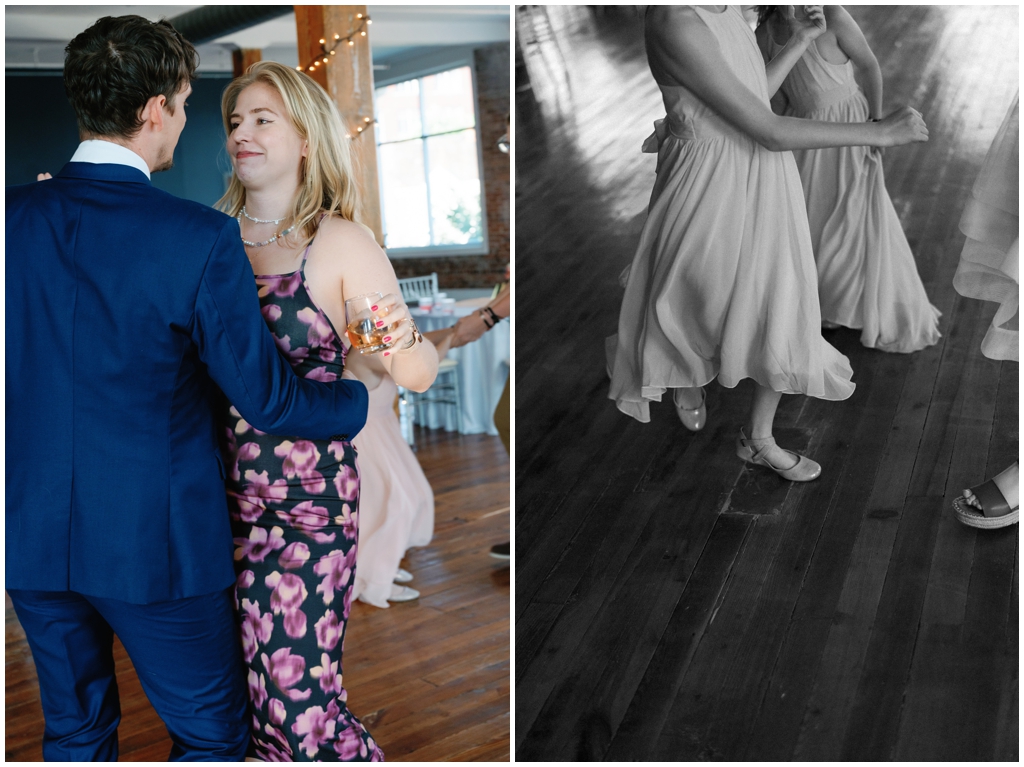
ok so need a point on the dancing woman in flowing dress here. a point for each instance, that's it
(723, 284)
(867, 277)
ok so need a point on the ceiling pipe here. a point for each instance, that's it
(208, 22)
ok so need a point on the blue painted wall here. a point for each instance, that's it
(42, 136)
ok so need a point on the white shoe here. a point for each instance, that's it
(403, 576)
(402, 594)
(367, 601)
(692, 418)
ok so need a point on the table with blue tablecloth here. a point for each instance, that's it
(483, 369)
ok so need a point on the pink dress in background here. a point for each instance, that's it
(723, 284)
(988, 264)
(867, 277)
(396, 505)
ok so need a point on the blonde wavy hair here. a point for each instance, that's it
(327, 181)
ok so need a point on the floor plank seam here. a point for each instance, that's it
(871, 632)
(830, 510)
(701, 631)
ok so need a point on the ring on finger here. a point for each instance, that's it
(416, 336)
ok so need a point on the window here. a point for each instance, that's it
(429, 164)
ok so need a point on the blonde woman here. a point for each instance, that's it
(294, 502)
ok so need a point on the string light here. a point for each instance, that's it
(324, 58)
(325, 52)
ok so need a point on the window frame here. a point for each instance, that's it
(438, 251)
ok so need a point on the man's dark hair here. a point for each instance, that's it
(118, 64)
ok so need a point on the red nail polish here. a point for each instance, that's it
(387, 338)
(373, 308)
(386, 353)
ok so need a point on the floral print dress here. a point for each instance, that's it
(294, 506)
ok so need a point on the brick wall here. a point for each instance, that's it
(493, 87)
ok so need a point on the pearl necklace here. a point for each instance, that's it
(285, 233)
(260, 220)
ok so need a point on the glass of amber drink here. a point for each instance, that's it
(362, 317)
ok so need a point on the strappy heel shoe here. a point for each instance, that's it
(695, 418)
(755, 450)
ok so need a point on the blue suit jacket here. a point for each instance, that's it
(127, 308)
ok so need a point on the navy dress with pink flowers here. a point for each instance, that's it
(294, 506)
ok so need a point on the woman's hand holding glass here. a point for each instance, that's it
(378, 323)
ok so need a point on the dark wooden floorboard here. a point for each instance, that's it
(608, 664)
(790, 573)
(672, 604)
(429, 678)
(678, 644)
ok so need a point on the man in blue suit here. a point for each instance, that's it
(129, 312)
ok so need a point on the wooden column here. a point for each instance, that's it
(309, 26)
(243, 58)
(348, 78)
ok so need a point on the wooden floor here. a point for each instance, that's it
(671, 604)
(429, 678)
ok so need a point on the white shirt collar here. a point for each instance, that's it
(99, 151)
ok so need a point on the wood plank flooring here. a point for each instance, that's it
(429, 678)
(672, 604)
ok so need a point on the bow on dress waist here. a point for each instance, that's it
(662, 132)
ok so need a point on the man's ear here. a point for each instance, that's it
(153, 112)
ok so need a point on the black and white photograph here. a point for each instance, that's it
(766, 383)
(258, 407)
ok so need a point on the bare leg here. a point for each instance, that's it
(1008, 483)
(762, 415)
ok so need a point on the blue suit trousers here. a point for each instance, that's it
(186, 653)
